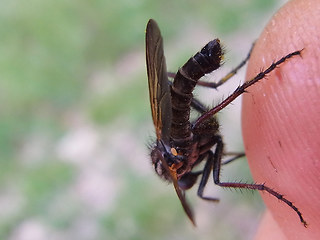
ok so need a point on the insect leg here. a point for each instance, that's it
(171, 75)
(229, 75)
(205, 176)
(241, 89)
(198, 106)
(207, 170)
(260, 187)
(236, 156)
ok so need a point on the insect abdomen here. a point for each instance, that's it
(203, 62)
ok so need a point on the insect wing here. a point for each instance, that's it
(183, 200)
(159, 90)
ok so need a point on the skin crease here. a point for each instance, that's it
(281, 121)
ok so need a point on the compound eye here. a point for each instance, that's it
(157, 158)
(158, 167)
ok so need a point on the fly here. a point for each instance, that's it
(181, 144)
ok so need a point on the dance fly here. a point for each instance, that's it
(182, 144)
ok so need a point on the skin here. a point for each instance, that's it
(281, 121)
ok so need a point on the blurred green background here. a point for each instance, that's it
(75, 118)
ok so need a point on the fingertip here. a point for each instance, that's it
(269, 229)
(280, 116)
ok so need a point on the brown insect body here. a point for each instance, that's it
(182, 145)
(186, 144)
(183, 138)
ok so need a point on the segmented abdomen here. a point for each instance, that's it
(203, 62)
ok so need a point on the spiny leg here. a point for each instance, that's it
(229, 75)
(216, 159)
(209, 166)
(241, 89)
(206, 173)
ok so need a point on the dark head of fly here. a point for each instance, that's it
(166, 162)
(160, 154)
